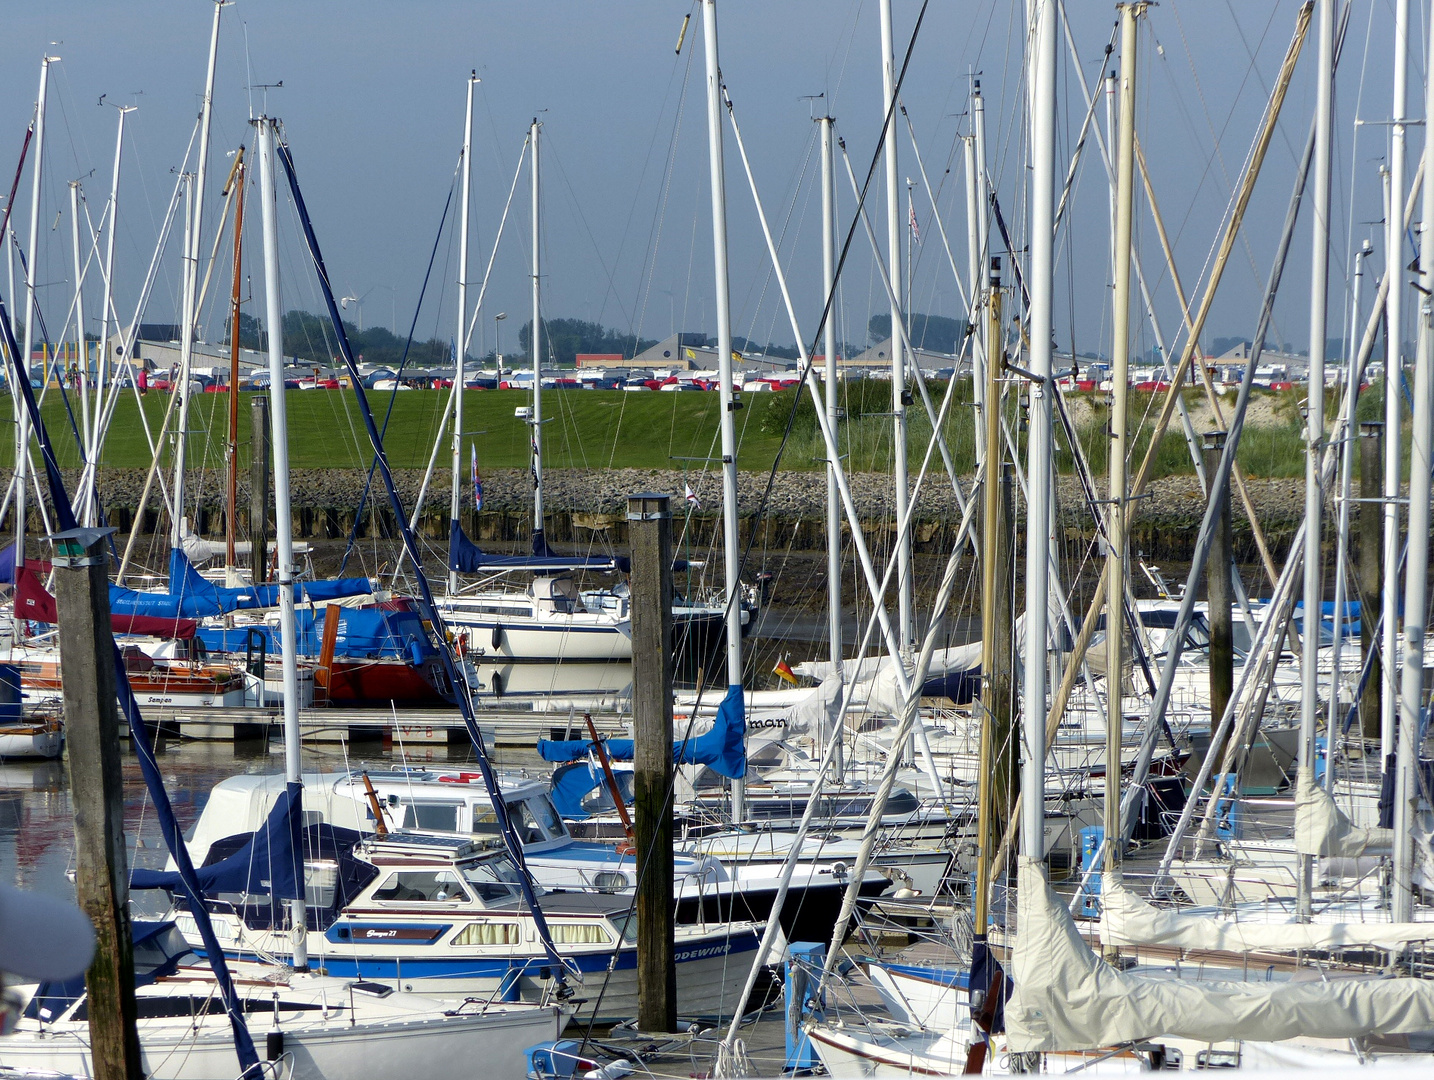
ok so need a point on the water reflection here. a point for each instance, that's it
(37, 839)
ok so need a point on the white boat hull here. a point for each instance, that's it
(446, 1047)
(31, 739)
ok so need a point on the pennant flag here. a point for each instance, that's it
(784, 671)
(915, 229)
(477, 480)
(691, 496)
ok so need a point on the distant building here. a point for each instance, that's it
(162, 355)
(598, 360)
(689, 350)
(879, 357)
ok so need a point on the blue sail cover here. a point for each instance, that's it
(466, 557)
(364, 633)
(268, 863)
(191, 596)
(722, 749)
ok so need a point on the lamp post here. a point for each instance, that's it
(498, 339)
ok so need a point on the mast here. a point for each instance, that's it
(987, 345)
(1038, 447)
(455, 503)
(1115, 567)
(727, 421)
(829, 345)
(22, 418)
(283, 515)
(1416, 573)
(535, 337)
(906, 631)
(194, 231)
(1346, 473)
(1314, 428)
(974, 276)
(1393, 368)
(82, 358)
(231, 450)
(102, 364)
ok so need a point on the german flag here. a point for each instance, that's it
(783, 671)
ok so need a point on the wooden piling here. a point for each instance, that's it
(87, 670)
(650, 531)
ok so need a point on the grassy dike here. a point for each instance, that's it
(595, 429)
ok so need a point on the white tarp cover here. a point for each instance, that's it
(950, 661)
(1321, 827)
(1067, 998)
(1126, 919)
(817, 712)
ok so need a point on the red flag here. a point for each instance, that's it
(783, 670)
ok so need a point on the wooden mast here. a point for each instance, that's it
(231, 507)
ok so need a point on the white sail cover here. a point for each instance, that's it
(1321, 827)
(1066, 998)
(1127, 920)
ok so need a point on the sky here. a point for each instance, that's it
(372, 102)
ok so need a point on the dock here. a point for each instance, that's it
(513, 725)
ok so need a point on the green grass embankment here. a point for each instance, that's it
(594, 429)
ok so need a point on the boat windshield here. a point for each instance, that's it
(536, 820)
(494, 880)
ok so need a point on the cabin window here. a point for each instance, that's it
(627, 928)
(489, 933)
(434, 816)
(433, 886)
(485, 821)
(579, 934)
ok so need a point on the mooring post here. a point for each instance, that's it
(1371, 570)
(650, 537)
(1219, 592)
(87, 671)
(259, 488)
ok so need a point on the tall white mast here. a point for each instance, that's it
(1314, 425)
(283, 515)
(829, 345)
(1119, 440)
(191, 283)
(22, 419)
(81, 352)
(455, 506)
(535, 340)
(1346, 472)
(1393, 456)
(974, 316)
(1038, 447)
(906, 616)
(1416, 573)
(102, 363)
(731, 554)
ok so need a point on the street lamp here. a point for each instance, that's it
(498, 338)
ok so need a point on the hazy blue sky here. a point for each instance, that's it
(372, 104)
